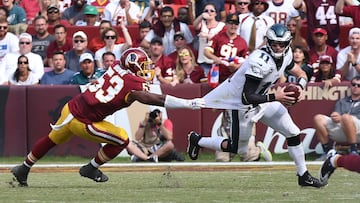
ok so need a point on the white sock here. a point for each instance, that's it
(211, 142)
(298, 155)
(332, 160)
(93, 163)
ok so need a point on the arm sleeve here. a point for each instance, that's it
(249, 95)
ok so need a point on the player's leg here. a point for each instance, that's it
(349, 128)
(285, 125)
(321, 123)
(41, 147)
(116, 140)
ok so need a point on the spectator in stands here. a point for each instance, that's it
(282, 11)
(235, 45)
(61, 43)
(180, 42)
(219, 7)
(54, 16)
(59, 75)
(64, 4)
(327, 72)
(165, 28)
(4, 13)
(35, 61)
(110, 36)
(317, 12)
(91, 17)
(163, 65)
(16, 18)
(142, 4)
(108, 58)
(343, 123)
(348, 59)
(80, 47)
(8, 41)
(154, 137)
(352, 11)
(44, 5)
(97, 43)
(144, 29)
(187, 71)
(23, 74)
(42, 38)
(294, 26)
(241, 6)
(256, 18)
(88, 72)
(152, 12)
(301, 58)
(124, 10)
(75, 12)
(320, 47)
(184, 15)
(31, 8)
(207, 26)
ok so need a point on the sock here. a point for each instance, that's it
(326, 147)
(107, 153)
(211, 142)
(298, 155)
(350, 162)
(40, 148)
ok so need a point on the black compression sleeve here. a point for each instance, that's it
(249, 95)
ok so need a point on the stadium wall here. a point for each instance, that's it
(26, 113)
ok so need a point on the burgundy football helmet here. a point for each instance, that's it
(137, 61)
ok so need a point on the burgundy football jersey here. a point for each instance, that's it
(227, 48)
(106, 96)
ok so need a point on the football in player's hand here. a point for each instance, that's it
(293, 88)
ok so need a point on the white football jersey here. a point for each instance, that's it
(259, 64)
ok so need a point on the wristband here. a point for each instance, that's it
(302, 82)
(270, 97)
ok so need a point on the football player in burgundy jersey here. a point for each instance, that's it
(247, 92)
(84, 115)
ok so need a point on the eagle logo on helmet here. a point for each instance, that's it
(137, 61)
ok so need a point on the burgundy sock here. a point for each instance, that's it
(350, 162)
(41, 147)
(108, 152)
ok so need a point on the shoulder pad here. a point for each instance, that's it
(258, 65)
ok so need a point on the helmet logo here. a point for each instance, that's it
(132, 58)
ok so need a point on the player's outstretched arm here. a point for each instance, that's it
(167, 101)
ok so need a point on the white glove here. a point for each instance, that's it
(196, 103)
(175, 102)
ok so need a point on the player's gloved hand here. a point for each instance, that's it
(175, 102)
(196, 103)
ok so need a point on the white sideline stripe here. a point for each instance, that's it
(272, 163)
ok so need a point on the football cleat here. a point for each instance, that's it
(193, 145)
(306, 180)
(93, 173)
(326, 168)
(21, 173)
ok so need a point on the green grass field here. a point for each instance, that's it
(171, 184)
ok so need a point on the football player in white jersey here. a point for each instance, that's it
(247, 92)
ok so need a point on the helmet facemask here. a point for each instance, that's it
(280, 35)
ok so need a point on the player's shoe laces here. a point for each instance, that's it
(326, 168)
(93, 173)
(193, 146)
(307, 180)
(265, 153)
(21, 173)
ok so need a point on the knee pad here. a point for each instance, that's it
(293, 141)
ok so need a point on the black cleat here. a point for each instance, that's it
(193, 145)
(93, 173)
(21, 173)
(307, 180)
(326, 168)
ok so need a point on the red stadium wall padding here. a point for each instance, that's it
(13, 121)
(184, 120)
(27, 112)
(44, 104)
